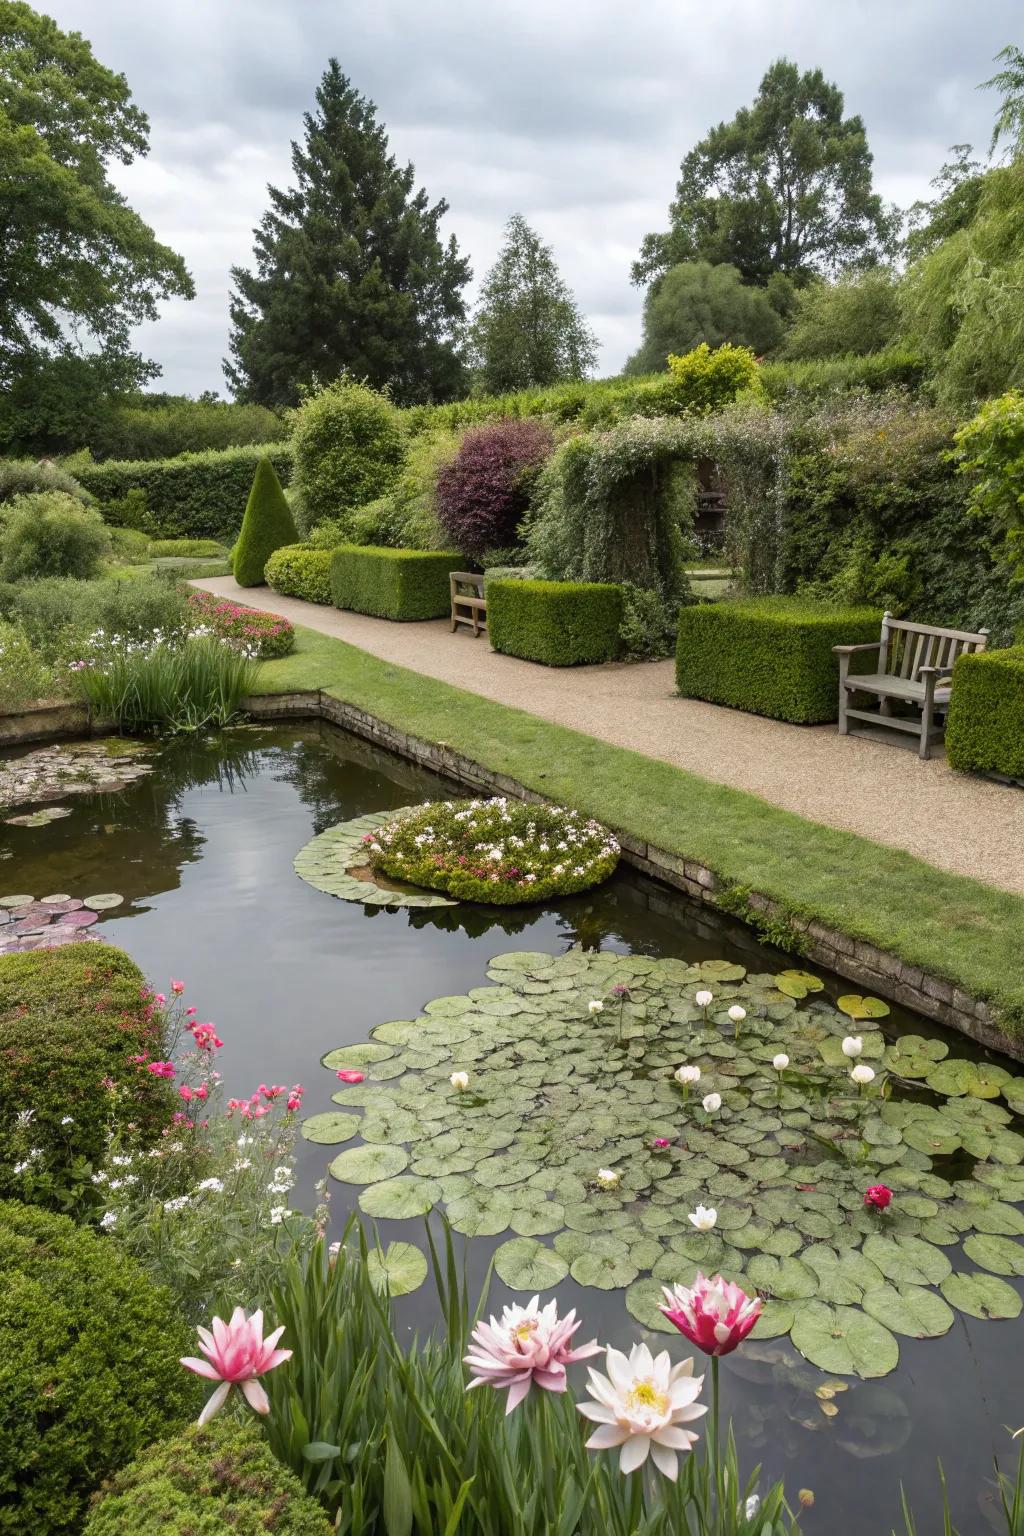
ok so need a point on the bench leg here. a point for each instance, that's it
(885, 707)
(927, 716)
(844, 699)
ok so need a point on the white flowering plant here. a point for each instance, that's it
(496, 851)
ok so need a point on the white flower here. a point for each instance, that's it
(244, 1141)
(108, 1220)
(66, 1120)
(121, 1162)
(24, 1117)
(704, 999)
(596, 1006)
(459, 1081)
(22, 1167)
(608, 1178)
(97, 1178)
(177, 1204)
(862, 1074)
(333, 1251)
(284, 1176)
(241, 1163)
(780, 1062)
(686, 1075)
(278, 1214)
(853, 1045)
(737, 1014)
(641, 1405)
(751, 1507)
(712, 1102)
(704, 1217)
(216, 1185)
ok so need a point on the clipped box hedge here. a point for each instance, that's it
(559, 623)
(985, 728)
(770, 656)
(295, 570)
(195, 496)
(392, 583)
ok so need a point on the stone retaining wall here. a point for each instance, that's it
(873, 969)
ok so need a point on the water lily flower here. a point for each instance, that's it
(660, 1143)
(686, 1075)
(596, 1006)
(608, 1178)
(530, 1344)
(237, 1354)
(641, 1406)
(716, 1315)
(459, 1081)
(350, 1075)
(704, 999)
(878, 1195)
(712, 1102)
(853, 1045)
(737, 1014)
(862, 1074)
(780, 1062)
(704, 1217)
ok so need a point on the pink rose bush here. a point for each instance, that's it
(261, 635)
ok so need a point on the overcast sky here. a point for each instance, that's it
(575, 114)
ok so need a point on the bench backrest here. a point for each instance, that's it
(907, 647)
(471, 579)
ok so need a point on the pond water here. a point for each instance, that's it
(201, 849)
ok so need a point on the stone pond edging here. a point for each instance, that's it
(863, 963)
(50, 722)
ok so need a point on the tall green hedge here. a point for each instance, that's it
(268, 525)
(985, 728)
(295, 570)
(195, 496)
(770, 656)
(392, 583)
(559, 623)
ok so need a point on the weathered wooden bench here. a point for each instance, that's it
(469, 606)
(915, 666)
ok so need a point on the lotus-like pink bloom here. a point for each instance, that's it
(237, 1353)
(350, 1075)
(641, 1405)
(716, 1315)
(878, 1195)
(530, 1344)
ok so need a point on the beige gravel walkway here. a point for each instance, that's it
(876, 787)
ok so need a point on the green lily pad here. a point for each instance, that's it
(481, 1212)
(399, 1199)
(643, 1300)
(786, 1279)
(909, 1309)
(605, 1272)
(331, 1127)
(1001, 1255)
(360, 1055)
(980, 1295)
(396, 1270)
(524, 1264)
(775, 1321)
(369, 1165)
(844, 1341)
(907, 1260)
(857, 1007)
(104, 901)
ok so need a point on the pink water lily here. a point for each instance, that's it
(237, 1353)
(716, 1315)
(530, 1344)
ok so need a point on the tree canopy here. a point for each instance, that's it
(528, 329)
(78, 267)
(696, 302)
(784, 187)
(351, 274)
(858, 314)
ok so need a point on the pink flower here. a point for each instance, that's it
(202, 1091)
(660, 1143)
(185, 1091)
(177, 987)
(237, 1354)
(878, 1195)
(160, 1068)
(529, 1345)
(350, 1075)
(191, 1012)
(206, 1037)
(716, 1315)
(159, 999)
(294, 1102)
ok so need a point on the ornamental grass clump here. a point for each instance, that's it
(494, 851)
(166, 685)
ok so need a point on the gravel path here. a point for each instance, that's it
(874, 786)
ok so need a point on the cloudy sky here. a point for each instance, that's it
(574, 114)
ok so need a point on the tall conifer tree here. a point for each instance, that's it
(351, 273)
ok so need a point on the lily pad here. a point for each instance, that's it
(524, 1264)
(909, 1309)
(980, 1295)
(360, 1055)
(643, 1300)
(398, 1199)
(331, 1127)
(104, 901)
(857, 1007)
(397, 1269)
(844, 1341)
(1001, 1255)
(369, 1165)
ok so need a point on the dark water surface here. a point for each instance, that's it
(202, 851)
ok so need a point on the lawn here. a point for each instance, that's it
(951, 926)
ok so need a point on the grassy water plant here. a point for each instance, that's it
(193, 686)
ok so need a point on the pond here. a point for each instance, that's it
(201, 850)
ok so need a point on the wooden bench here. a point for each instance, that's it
(915, 666)
(469, 606)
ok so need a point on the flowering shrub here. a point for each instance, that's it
(166, 684)
(260, 635)
(494, 850)
(482, 493)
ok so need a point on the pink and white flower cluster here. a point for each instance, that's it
(528, 1345)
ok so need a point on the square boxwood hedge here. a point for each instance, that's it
(985, 729)
(194, 496)
(559, 623)
(295, 570)
(392, 583)
(770, 656)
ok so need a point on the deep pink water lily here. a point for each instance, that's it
(237, 1353)
(530, 1344)
(716, 1315)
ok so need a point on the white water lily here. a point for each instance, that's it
(459, 1081)
(608, 1178)
(780, 1062)
(687, 1075)
(751, 1507)
(704, 1217)
(853, 1045)
(737, 1014)
(704, 999)
(862, 1074)
(641, 1406)
(712, 1102)
(596, 1006)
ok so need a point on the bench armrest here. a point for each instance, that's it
(935, 672)
(851, 650)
